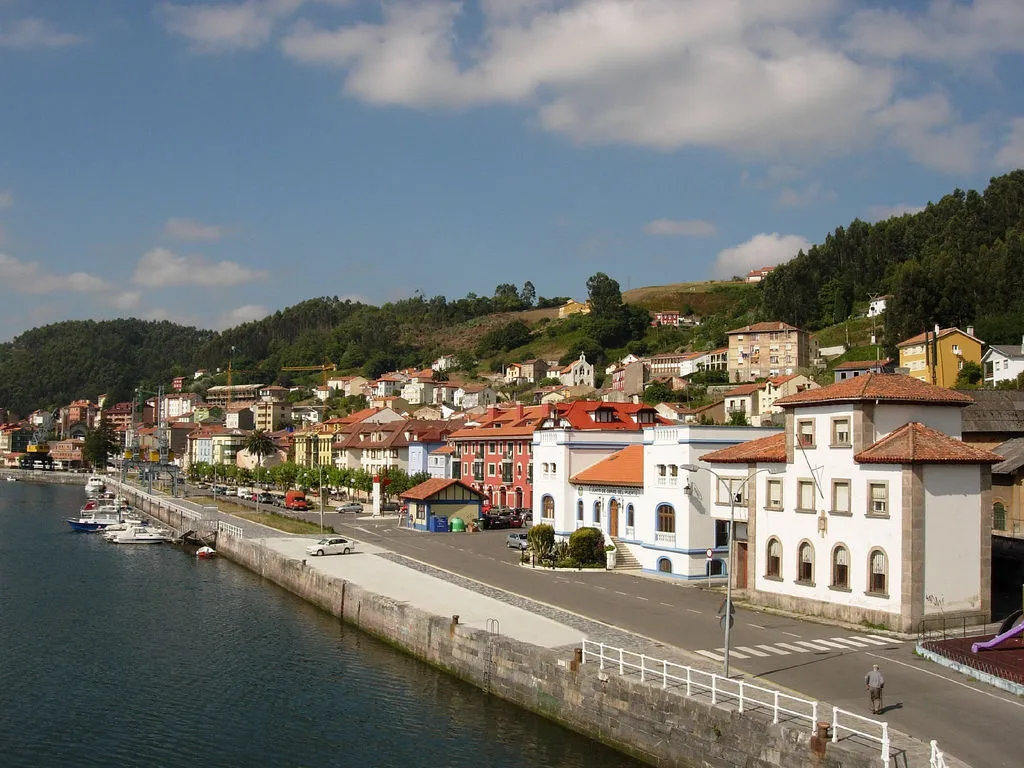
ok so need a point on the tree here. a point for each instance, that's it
(586, 546)
(969, 375)
(657, 392)
(529, 294)
(541, 539)
(738, 419)
(260, 444)
(604, 296)
(100, 444)
(506, 298)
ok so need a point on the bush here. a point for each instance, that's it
(541, 539)
(586, 546)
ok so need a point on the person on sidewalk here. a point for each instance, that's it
(875, 683)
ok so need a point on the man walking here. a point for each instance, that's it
(875, 683)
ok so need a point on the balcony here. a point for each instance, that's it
(665, 537)
(630, 532)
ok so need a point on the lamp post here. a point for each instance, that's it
(321, 489)
(727, 617)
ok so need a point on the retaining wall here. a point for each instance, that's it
(659, 727)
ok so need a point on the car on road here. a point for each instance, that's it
(331, 545)
(517, 541)
(390, 506)
(349, 506)
(498, 521)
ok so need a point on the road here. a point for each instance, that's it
(977, 723)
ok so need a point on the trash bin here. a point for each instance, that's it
(483, 523)
(458, 525)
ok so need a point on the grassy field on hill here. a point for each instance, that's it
(706, 298)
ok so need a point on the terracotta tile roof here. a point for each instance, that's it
(486, 433)
(445, 449)
(625, 467)
(862, 365)
(428, 488)
(919, 339)
(778, 381)
(357, 416)
(764, 328)
(878, 387)
(914, 443)
(770, 449)
(743, 389)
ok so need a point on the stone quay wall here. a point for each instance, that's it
(658, 727)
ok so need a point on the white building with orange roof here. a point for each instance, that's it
(867, 508)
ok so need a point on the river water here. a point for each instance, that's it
(142, 656)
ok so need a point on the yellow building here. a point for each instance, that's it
(573, 307)
(937, 356)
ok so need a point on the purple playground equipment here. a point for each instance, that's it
(1009, 629)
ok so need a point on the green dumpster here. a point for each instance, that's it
(458, 525)
(483, 523)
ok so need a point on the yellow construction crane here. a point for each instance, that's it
(324, 368)
(232, 370)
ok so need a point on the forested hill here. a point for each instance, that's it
(58, 363)
(960, 262)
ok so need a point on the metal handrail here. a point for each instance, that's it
(231, 530)
(746, 695)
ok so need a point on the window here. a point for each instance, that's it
(879, 495)
(597, 512)
(664, 565)
(841, 567)
(805, 564)
(491, 447)
(840, 497)
(548, 507)
(805, 495)
(774, 495)
(721, 533)
(661, 474)
(773, 569)
(805, 434)
(508, 448)
(841, 433)
(579, 510)
(629, 516)
(878, 568)
(731, 490)
(490, 469)
(673, 474)
(999, 516)
(666, 519)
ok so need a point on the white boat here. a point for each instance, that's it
(141, 534)
(95, 484)
(11, 479)
(205, 552)
(126, 522)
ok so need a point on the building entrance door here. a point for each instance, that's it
(613, 517)
(741, 565)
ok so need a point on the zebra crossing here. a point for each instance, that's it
(830, 645)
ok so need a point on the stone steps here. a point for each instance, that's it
(625, 560)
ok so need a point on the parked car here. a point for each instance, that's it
(498, 521)
(349, 506)
(515, 519)
(266, 498)
(331, 545)
(390, 506)
(516, 541)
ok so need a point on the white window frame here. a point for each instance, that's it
(873, 509)
(801, 484)
(836, 485)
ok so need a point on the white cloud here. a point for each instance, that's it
(226, 26)
(29, 277)
(761, 250)
(883, 212)
(926, 128)
(680, 227)
(34, 33)
(161, 268)
(1011, 154)
(809, 194)
(239, 315)
(193, 231)
(6, 199)
(126, 300)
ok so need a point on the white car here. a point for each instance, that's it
(517, 541)
(332, 545)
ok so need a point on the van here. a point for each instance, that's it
(295, 500)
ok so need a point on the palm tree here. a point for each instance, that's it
(259, 443)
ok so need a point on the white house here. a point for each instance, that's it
(629, 358)
(418, 391)
(578, 373)
(389, 385)
(782, 386)
(474, 396)
(444, 363)
(1002, 362)
(878, 511)
(877, 306)
(746, 400)
(632, 486)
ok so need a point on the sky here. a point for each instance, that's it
(211, 162)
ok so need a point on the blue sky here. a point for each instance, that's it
(212, 162)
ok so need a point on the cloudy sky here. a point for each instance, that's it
(211, 162)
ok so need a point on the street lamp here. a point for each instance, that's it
(320, 488)
(727, 618)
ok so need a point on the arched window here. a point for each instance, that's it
(841, 567)
(547, 507)
(629, 515)
(717, 567)
(666, 519)
(805, 563)
(597, 513)
(579, 510)
(774, 561)
(998, 516)
(878, 572)
(665, 565)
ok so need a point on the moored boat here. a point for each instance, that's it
(205, 552)
(141, 534)
(95, 485)
(97, 517)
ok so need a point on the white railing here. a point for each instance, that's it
(230, 530)
(580, 524)
(883, 739)
(630, 532)
(938, 759)
(661, 537)
(746, 696)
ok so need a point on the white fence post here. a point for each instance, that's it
(601, 645)
(741, 697)
(689, 681)
(775, 716)
(621, 667)
(664, 674)
(835, 724)
(643, 671)
(885, 745)
(814, 716)
(714, 689)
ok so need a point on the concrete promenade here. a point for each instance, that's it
(477, 579)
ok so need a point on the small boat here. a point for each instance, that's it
(128, 522)
(11, 479)
(205, 552)
(141, 534)
(95, 485)
(97, 517)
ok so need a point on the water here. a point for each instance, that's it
(142, 656)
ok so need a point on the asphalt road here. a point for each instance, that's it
(979, 724)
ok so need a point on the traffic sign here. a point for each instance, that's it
(721, 608)
(711, 554)
(730, 619)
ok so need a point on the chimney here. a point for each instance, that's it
(970, 330)
(937, 329)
